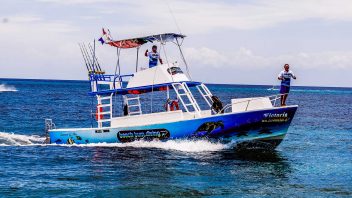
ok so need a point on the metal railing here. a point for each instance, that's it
(108, 77)
(273, 99)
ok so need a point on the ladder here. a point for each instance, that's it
(134, 106)
(104, 107)
(206, 94)
(183, 92)
(49, 124)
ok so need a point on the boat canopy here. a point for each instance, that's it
(136, 42)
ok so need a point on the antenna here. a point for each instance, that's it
(173, 17)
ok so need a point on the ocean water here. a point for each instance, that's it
(314, 160)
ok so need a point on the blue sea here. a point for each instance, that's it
(314, 160)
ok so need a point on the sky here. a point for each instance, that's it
(228, 41)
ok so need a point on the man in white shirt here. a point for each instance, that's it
(285, 77)
(154, 57)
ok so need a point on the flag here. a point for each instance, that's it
(106, 38)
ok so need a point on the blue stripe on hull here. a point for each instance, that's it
(263, 124)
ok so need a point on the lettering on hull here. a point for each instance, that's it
(275, 117)
(132, 135)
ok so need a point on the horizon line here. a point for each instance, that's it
(43, 79)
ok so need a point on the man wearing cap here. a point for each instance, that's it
(285, 77)
(154, 56)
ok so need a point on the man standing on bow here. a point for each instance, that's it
(154, 56)
(285, 77)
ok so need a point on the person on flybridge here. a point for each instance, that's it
(154, 57)
(285, 77)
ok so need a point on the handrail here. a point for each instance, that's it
(276, 97)
(108, 77)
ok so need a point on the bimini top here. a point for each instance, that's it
(136, 42)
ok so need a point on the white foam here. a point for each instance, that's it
(11, 139)
(6, 88)
(177, 145)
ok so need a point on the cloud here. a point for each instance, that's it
(45, 40)
(24, 19)
(18, 24)
(245, 59)
(242, 66)
(75, 2)
(199, 16)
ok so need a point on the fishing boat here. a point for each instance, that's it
(163, 102)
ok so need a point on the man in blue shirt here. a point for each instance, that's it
(154, 56)
(285, 77)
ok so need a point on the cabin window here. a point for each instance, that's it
(174, 70)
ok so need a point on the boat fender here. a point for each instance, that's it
(99, 109)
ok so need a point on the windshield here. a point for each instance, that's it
(174, 70)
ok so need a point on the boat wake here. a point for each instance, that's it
(177, 145)
(11, 139)
(7, 88)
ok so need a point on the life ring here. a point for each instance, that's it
(99, 110)
(173, 104)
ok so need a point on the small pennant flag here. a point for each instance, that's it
(106, 38)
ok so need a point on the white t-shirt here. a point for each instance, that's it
(286, 77)
(153, 58)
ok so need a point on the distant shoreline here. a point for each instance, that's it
(225, 84)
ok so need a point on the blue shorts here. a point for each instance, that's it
(284, 89)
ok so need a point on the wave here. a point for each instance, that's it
(177, 145)
(7, 88)
(11, 139)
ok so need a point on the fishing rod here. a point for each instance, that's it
(93, 54)
(88, 57)
(84, 58)
(93, 59)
